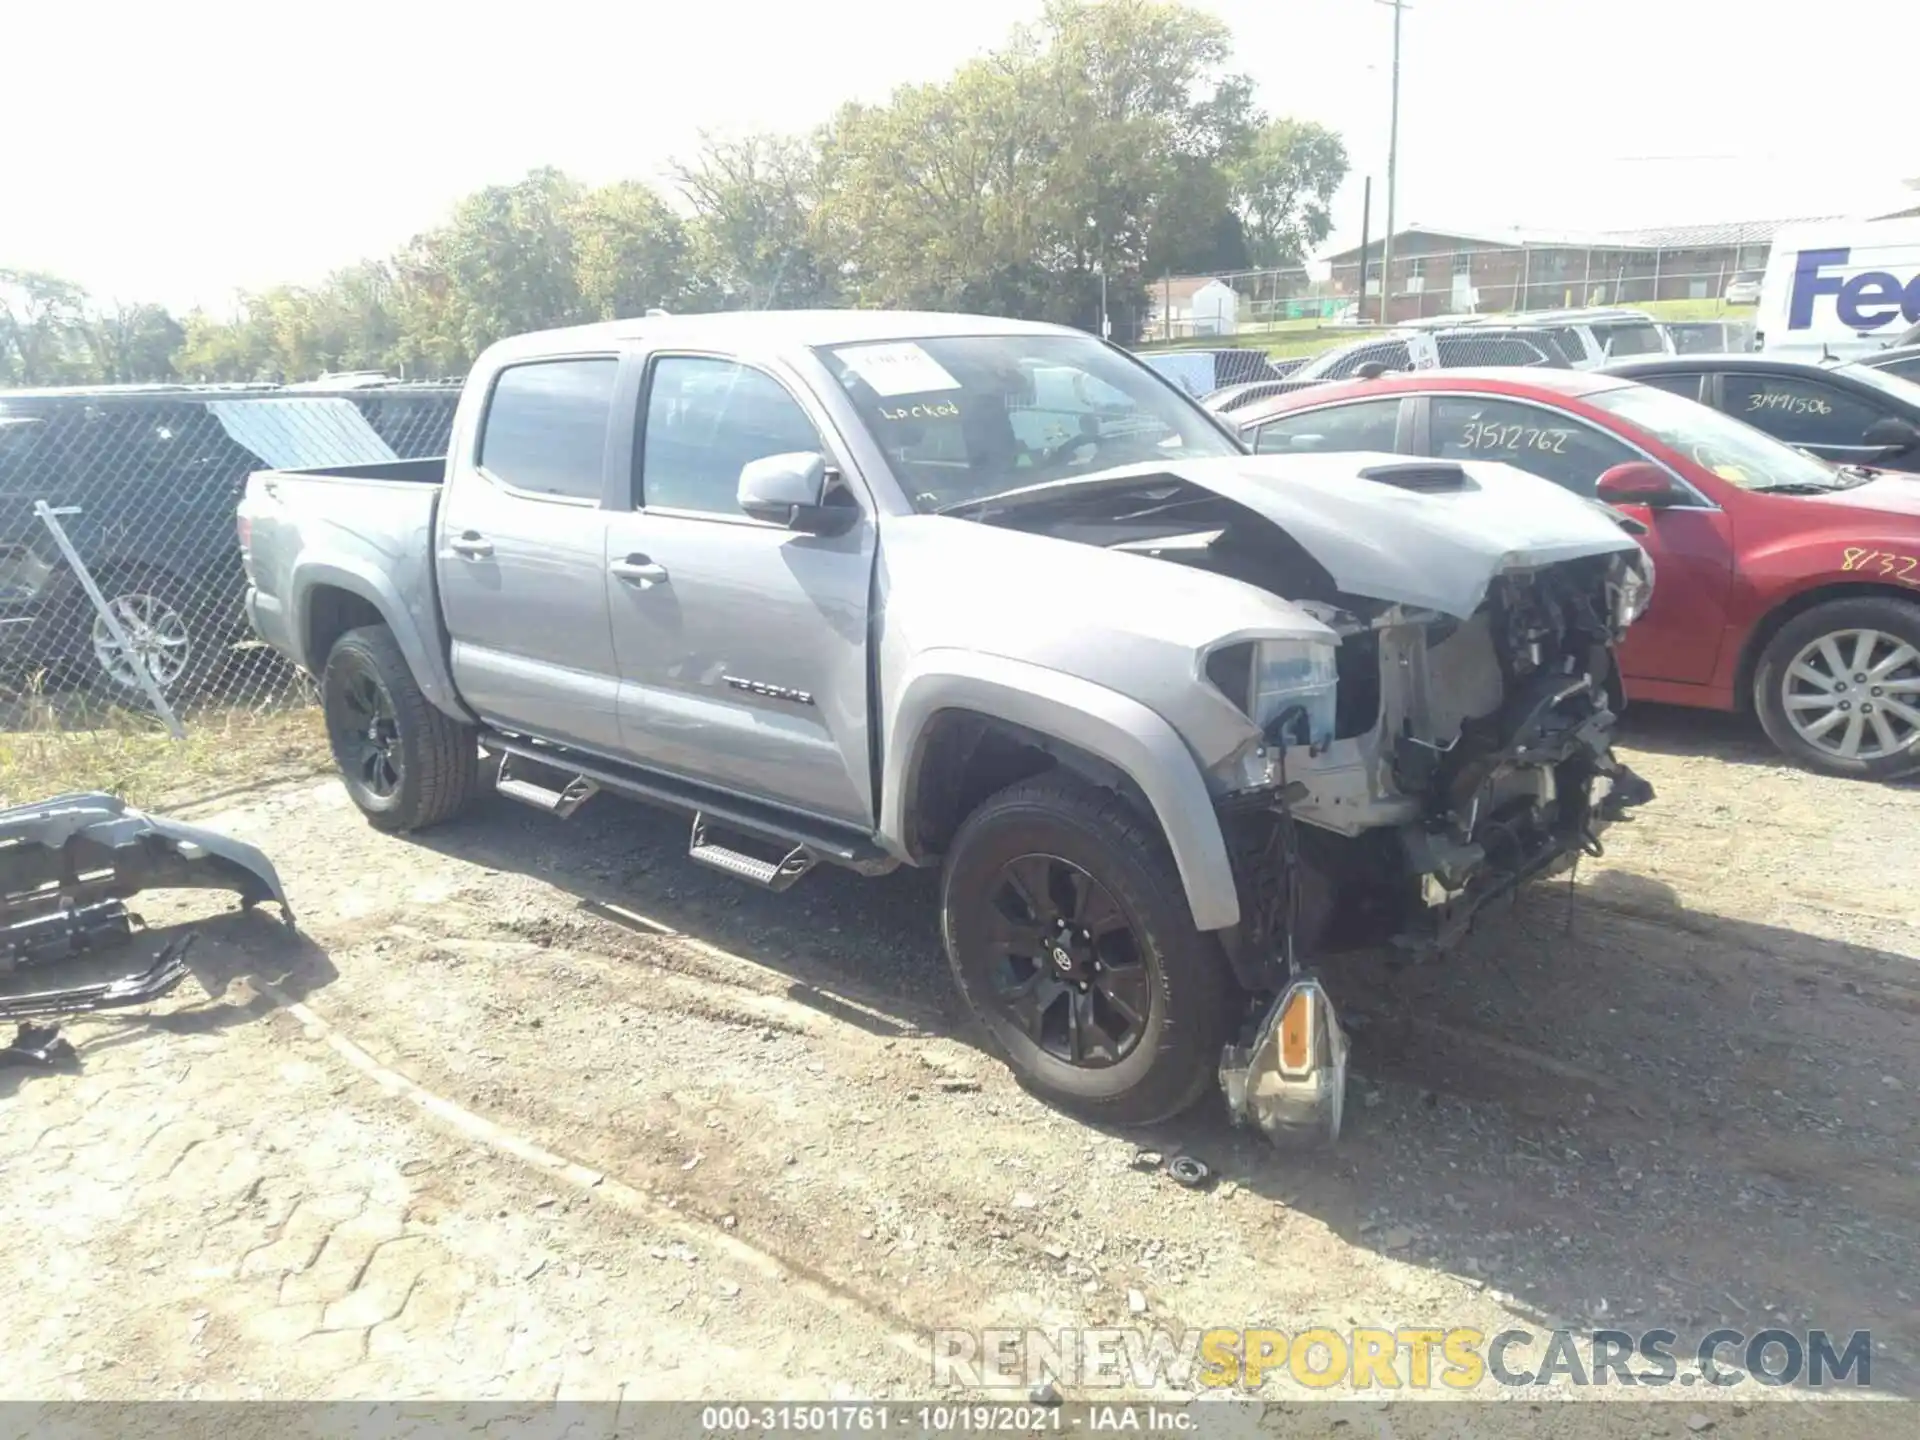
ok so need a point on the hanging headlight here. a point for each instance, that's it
(1266, 678)
(1632, 588)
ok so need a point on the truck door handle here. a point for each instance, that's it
(638, 571)
(471, 544)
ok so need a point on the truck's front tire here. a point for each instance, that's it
(1070, 936)
(406, 763)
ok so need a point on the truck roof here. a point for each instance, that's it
(799, 328)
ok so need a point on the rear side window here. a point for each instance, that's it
(1467, 350)
(1687, 387)
(546, 426)
(1634, 338)
(1798, 411)
(1905, 369)
(1553, 446)
(706, 420)
(1367, 425)
(1571, 346)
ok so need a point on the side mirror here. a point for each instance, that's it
(1638, 482)
(1892, 434)
(791, 490)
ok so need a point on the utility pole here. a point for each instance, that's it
(1393, 165)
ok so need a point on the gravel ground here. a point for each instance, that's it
(532, 1109)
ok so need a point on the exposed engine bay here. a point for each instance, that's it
(1444, 753)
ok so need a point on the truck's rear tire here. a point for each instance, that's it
(406, 763)
(1070, 935)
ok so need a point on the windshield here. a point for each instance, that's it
(1734, 451)
(1885, 381)
(961, 417)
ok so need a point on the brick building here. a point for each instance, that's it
(1440, 272)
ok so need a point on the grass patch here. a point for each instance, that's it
(127, 754)
(1694, 310)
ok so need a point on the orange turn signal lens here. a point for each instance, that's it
(1296, 1033)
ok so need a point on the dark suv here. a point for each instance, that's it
(148, 478)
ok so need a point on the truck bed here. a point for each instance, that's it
(365, 530)
(429, 471)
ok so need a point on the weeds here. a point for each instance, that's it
(52, 742)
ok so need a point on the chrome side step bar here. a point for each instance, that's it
(562, 802)
(775, 875)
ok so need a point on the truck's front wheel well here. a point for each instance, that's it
(331, 613)
(1771, 623)
(966, 756)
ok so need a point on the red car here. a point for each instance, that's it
(1782, 583)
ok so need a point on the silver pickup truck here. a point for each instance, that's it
(891, 589)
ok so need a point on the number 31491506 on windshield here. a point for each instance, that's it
(1882, 562)
(1485, 435)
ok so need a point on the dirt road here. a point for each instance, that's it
(531, 1108)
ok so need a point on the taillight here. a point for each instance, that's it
(244, 527)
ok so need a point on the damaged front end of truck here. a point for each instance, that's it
(1449, 740)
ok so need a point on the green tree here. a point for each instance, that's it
(630, 252)
(508, 257)
(133, 343)
(756, 236)
(43, 329)
(1283, 186)
(1093, 145)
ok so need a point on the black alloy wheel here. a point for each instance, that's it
(365, 732)
(1070, 974)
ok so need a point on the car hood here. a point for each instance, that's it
(1437, 548)
(1894, 493)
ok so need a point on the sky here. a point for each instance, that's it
(182, 152)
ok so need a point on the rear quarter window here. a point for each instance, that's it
(1635, 338)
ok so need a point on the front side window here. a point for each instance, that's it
(1368, 425)
(705, 420)
(546, 426)
(1543, 442)
(963, 417)
(1797, 410)
(1905, 369)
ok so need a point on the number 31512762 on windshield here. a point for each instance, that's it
(1882, 562)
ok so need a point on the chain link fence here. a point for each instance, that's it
(1432, 278)
(121, 588)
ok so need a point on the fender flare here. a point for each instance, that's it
(424, 654)
(1121, 731)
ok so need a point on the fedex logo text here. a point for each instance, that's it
(1863, 302)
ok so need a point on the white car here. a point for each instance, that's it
(1744, 288)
